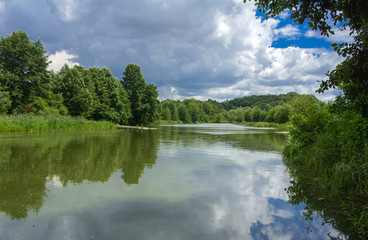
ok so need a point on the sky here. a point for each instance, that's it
(208, 49)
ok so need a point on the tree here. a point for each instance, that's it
(23, 70)
(5, 102)
(184, 114)
(142, 96)
(110, 99)
(282, 113)
(350, 75)
(236, 115)
(172, 106)
(71, 85)
(166, 114)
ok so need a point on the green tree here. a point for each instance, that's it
(282, 113)
(142, 96)
(110, 100)
(301, 104)
(23, 70)
(236, 115)
(248, 114)
(166, 114)
(172, 106)
(71, 85)
(256, 116)
(219, 118)
(5, 102)
(194, 111)
(184, 114)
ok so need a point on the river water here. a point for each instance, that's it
(202, 181)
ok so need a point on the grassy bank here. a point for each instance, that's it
(27, 122)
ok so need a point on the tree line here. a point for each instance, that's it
(26, 86)
(260, 108)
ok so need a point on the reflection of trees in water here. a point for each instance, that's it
(339, 211)
(25, 163)
(138, 156)
(256, 140)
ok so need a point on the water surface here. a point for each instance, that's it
(203, 181)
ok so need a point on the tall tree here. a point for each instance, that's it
(77, 97)
(23, 70)
(109, 96)
(142, 96)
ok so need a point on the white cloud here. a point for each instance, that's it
(284, 14)
(289, 31)
(59, 58)
(339, 36)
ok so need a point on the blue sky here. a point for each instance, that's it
(190, 49)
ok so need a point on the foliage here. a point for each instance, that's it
(192, 111)
(334, 150)
(5, 102)
(110, 100)
(264, 102)
(142, 96)
(70, 83)
(23, 72)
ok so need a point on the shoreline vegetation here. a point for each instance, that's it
(37, 123)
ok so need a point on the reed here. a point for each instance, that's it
(26, 122)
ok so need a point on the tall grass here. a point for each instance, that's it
(25, 122)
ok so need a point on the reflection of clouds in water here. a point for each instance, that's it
(245, 194)
(54, 181)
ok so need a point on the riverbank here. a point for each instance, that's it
(26, 122)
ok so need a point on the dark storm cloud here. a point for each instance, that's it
(197, 48)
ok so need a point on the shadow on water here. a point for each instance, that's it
(27, 163)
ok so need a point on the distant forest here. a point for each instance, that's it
(256, 108)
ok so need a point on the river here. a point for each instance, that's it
(202, 181)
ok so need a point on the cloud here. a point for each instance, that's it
(203, 49)
(338, 37)
(284, 14)
(58, 59)
(289, 31)
(65, 9)
(2, 6)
